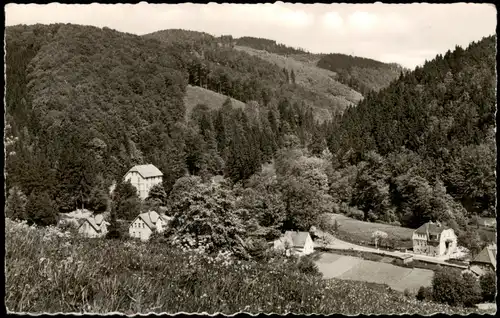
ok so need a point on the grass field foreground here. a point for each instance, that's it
(51, 271)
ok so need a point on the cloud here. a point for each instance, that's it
(333, 20)
(405, 33)
(273, 14)
(363, 20)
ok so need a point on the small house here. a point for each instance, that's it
(486, 259)
(434, 239)
(93, 226)
(148, 223)
(143, 178)
(298, 243)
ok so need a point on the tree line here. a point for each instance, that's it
(85, 104)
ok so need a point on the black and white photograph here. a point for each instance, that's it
(271, 158)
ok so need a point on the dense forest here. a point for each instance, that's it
(84, 104)
(362, 74)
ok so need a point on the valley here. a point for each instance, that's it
(221, 146)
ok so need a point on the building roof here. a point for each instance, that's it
(487, 256)
(431, 228)
(152, 217)
(95, 221)
(147, 171)
(476, 270)
(298, 238)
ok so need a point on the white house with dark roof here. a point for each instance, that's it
(434, 239)
(93, 226)
(143, 178)
(148, 223)
(292, 242)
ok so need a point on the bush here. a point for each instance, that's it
(355, 213)
(471, 291)
(158, 238)
(307, 266)
(446, 287)
(257, 248)
(408, 293)
(488, 286)
(424, 293)
(41, 210)
(453, 288)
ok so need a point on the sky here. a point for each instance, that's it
(408, 34)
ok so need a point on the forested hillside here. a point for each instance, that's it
(248, 74)
(85, 104)
(362, 74)
(423, 148)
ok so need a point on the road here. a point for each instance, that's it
(334, 243)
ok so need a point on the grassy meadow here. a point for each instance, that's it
(52, 271)
(310, 76)
(197, 95)
(360, 232)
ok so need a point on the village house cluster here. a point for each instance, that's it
(430, 239)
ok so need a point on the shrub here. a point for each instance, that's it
(355, 213)
(257, 248)
(456, 289)
(471, 291)
(446, 287)
(158, 238)
(424, 293)
(307, 266)
(408, 293)
(15, 207)
(488, 286)
(41, 210)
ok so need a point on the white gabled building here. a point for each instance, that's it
(298, 243)
(434, 239)
(94, 226)
(148, 223)
(143, 178)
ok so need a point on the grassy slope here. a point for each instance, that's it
(312, 77)
(48, 273)
(197, 95)
(360, 231)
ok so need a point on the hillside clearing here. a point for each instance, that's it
(360, 232)
(312, 77)
(197, 95)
